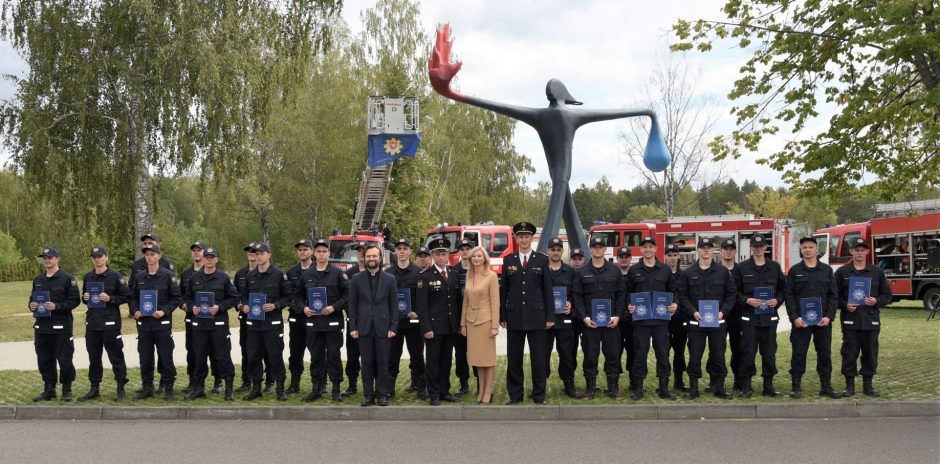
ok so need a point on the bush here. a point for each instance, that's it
(19, 272)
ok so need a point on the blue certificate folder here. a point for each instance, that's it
(661, 303)
(95, 289)
(404, 301)
(316, 299)
(643, 308)
(255, 303)
(600, 312)
(148, 303)
(205, 300)
(763, 294)
(811, 310)
(40, 297)
(708, 309)
(859, 288)
(560, 295)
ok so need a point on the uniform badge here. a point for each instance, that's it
(420, 283)
(74, 283)
(172, 267)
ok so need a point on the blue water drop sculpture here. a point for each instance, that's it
(656, 157)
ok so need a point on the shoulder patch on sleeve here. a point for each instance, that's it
(74, 283)
(345, 277)
(284, 276)
(172, 267)
(123, 281)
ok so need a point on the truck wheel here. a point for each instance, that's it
(932, 299)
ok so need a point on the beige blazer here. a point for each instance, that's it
(481, 301)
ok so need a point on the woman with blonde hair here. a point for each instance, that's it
(479, 321)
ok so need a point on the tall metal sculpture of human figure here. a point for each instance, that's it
(556, 126)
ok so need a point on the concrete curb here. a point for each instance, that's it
(486, 413)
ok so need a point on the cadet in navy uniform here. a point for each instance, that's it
(155, 332)
(268, 279)
(527, 312)
(562, 334)
(460, 349)
(624, 261)
(728, 255)
(409, 327)
(53, 334)
(241, 283)
(141, 264)
(599, 280)
(324, 326)
(678, 336)
(196, 250)
(423, 258)
(103, 325)
(296, 319)
(353, 366)
(758, 331)
(861, 324)
(650, 275)
(373, 321)
(707, 280)
(438, 306)
(211, 337)
(811, 279)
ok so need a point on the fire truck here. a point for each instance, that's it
(904, 239)
(343, 248)
(496, 239)
(685, 231)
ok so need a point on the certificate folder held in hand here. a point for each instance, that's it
(600, 312)
(642, 308)
(560, 294)
(95, 289)
(205, 300)
(40, 297)
(148, 302)
(316, 299)
(811, 310)
(404, 301)
(859, 289)
(708, 309)
(661, 303)
(763, 294)
(256, 301)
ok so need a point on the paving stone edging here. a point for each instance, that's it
(840, 409)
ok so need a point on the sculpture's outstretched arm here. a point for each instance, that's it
(588, 116)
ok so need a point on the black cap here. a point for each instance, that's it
(439, 244)
(858, 243)
(50, 252)
(250, 247)
(210, 251)
(807, 239)
(360, 245)
(403, 241)
(99, 251)
(758, 241)
(648, 239)
(466, 243)
(705, 241)
(261, 246)
(576, 252)
(556, 242)
(321, 242)
(671, 247)
(729, 243)
(523, 228)
(423, 250)
(624, 251)
(197, 244)
(152, 247)
(303, 242)
(151, 236)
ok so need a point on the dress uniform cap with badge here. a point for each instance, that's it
(523, 228)
(439, 244)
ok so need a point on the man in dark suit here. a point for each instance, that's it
(526, 310)
(373, 320)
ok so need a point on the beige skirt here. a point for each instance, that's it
(481, 348)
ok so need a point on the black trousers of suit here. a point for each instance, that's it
(592, 342)
(214, 345)
(758, 338)
(642, 334)
(297, 345)
(715, 366)
(99, 341)
(438, 351)
(822, 340)
(325, 359)
(267, 345)
(52, 348)
(411, 337)
(678, 337)
(563, 341)
(191, 352)
(162, 342)
(855, 341)
(374, 351)
(515, 378)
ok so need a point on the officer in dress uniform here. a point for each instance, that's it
(353, 366)
(438, 306)
(103, 325)
(270, 280)
(53, 332)
(296, 319)
(155, 332)
(323, 325)
(678, 336)
(409, 327)
(861, 324)
(562, 334)
(527, 311)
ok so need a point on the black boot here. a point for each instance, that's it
(121, 394)
(187, 390)
(92, 392)
(66, 391)
(693, 389)
(269, 386)
(464, 387)
(613, 387)
(663, 391)
(294, 386)
(314, 393)
(168, 391)
(217, 385)
(245, 386)
(590, 388)
(198, 390)
(146, 391)
(738, 383)
(323, 386)
(849, 387)
(413, 386)
(747, 387)
(636, 389)
(229, 393)
(633, 382)
(720, 389)
(769, 390)
(570, 390)
(795, 391)
(48, 393)
(711, 385)
(279, 391)
(867, 388)
(352, 388)
(337, 396)
(679, 384)
(825, 388)
(422, 389)
(254, 393)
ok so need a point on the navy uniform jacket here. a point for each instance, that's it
(565, 276)
(599, 283)
(864, 317)
(373, 309)
(225, 295)
(525, 294)
(241, 284)
(806, 282)
(168, 298)
(714, 283)
(406, 278)
(141, 265)
(63, 291)
(109, 317)
(747, 277)
(438, 303)
(337, 295)
(273, 283)
(643, 278)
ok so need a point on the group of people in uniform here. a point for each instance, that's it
(363, 310)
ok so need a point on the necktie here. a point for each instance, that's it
(525, 261)
(444, 275)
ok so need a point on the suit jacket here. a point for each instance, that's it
(438, 302)
(368, 309)
(526, 297)
(481, 302)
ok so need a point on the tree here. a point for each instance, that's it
(877, 63)
(686, 119)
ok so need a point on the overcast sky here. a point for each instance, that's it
(601, 49)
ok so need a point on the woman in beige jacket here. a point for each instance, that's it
(479, 321)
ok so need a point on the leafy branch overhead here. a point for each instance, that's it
(876, 63)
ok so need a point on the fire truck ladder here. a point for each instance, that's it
(884, 210)
(373, 192)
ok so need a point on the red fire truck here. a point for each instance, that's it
(904, 239)
(343, 248)
(496, 239)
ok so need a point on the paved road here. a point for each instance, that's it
(900, 440)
